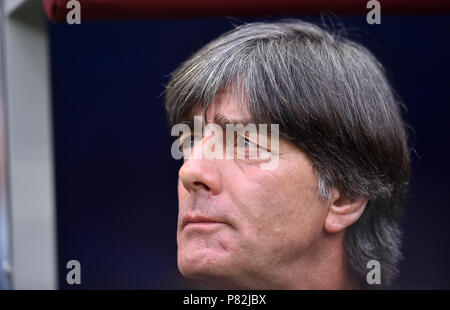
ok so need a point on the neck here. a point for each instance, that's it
(325, 266)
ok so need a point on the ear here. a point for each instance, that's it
(343, 212)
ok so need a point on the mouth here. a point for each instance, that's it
(200, 221)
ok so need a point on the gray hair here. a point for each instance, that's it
(331, 98)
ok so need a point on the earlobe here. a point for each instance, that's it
(343, 212)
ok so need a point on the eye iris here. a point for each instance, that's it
(187, 143)
(244, 142)
(192, 142)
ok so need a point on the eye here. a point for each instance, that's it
(187, 143)
(244, 143)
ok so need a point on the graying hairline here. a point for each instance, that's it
(234, 41)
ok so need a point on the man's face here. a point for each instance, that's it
(243, 227)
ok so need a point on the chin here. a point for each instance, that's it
(207, 267)
(199, 263)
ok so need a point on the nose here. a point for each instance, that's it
(199, 173)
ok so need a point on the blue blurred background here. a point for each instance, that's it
(115, 177)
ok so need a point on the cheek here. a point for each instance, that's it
(278, 209)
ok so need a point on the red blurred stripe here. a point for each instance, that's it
(150, 9)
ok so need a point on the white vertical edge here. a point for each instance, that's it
(11, 5)
(31, 178)
(5, 244)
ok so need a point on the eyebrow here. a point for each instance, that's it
(223, 121)
(220, 120)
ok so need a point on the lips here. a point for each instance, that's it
(200, 220)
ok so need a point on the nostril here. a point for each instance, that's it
(201, 185)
